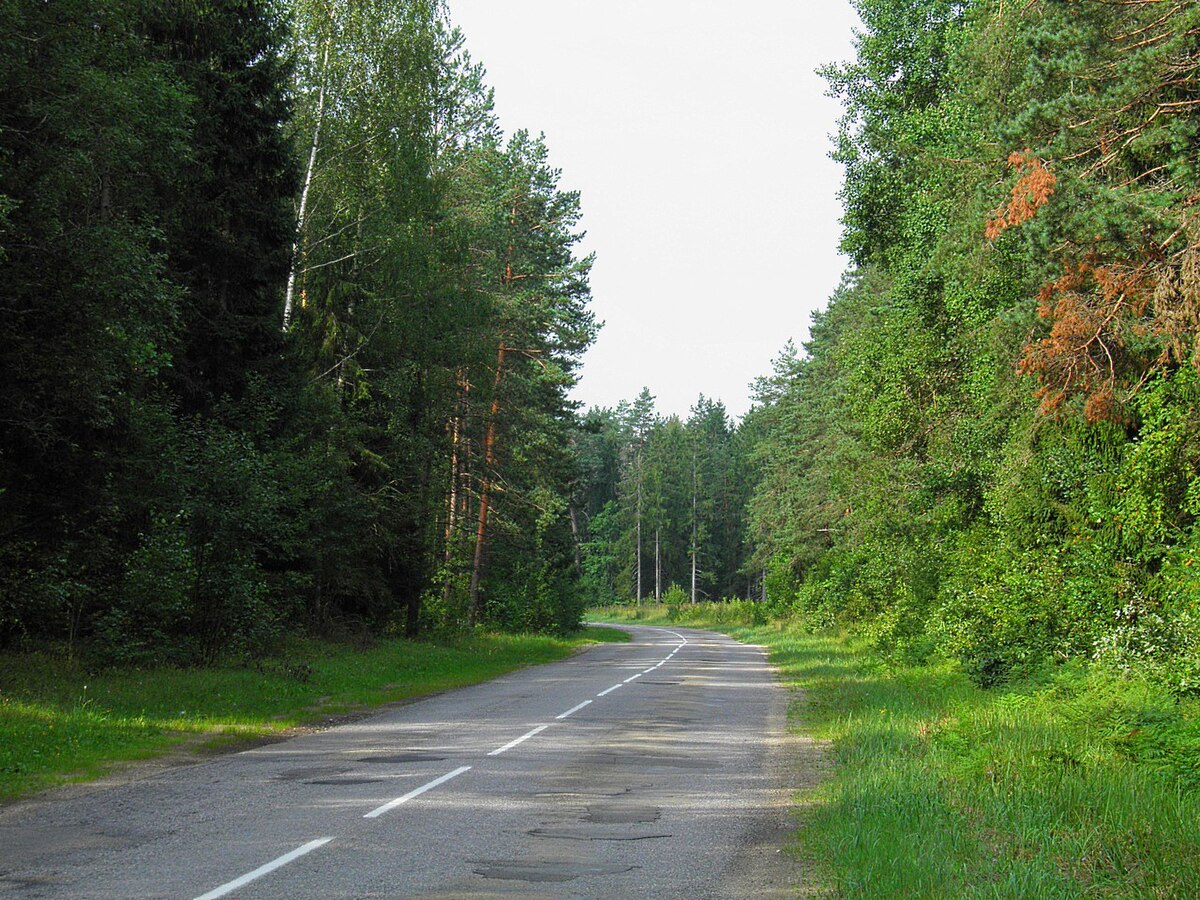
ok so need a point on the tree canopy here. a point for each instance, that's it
(285, 312)
(989, 446)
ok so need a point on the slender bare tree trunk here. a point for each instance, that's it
(657, 567)
(308, 176)
(452, 500)
(574, 513)
(693, 575)
(459, 500)
(489, 450)
(639, 529)
(694, 548)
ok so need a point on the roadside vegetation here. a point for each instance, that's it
(1065, 783)
(287, 347)
(970, 507)
(61, 723)
(284, 345)
(988, 448)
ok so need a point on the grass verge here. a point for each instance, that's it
(60, 724)
(1076, 783)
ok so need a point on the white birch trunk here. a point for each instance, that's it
(657, 568)
(290, 294)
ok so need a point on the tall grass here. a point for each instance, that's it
(1075, 783)
(59, 723)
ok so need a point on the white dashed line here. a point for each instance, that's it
(523, 737)
(274, 864)
(573, 710)
(416, 792)
(281, 861)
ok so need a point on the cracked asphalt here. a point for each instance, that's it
(655, 768)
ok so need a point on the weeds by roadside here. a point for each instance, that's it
(1074, 783)
(59, 723)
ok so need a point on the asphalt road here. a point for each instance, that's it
(647, 769)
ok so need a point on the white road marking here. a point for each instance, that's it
(573, 709)
(522, 738)
(281, 861)
(416, 792)
(682, 639)
(274, 864)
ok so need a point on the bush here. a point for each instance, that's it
(1004, 617)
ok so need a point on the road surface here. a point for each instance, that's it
(647, 769)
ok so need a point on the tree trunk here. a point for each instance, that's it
(301, 214)
(489, 450)
(694, 548)
(657, 567)
(575, 539)
(452, 512)
(639, 527)
(693, 575)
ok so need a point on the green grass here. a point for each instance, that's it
(1073, 784)
(59, 724)
(602, 635)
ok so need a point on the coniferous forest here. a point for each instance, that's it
(289, 328)
(287, 331)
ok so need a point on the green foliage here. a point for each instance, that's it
(1066, 786)
(675, 597)
(679, 487)
(1065, 783)
(168, 176)
(978, 455)
(600, 562)
(67, 723)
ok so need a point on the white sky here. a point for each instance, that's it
(698, 135)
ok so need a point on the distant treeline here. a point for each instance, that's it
(286, 331)
(663, 503)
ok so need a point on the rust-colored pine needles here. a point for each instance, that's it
(1031, 192)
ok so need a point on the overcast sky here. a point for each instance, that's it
(698, 135)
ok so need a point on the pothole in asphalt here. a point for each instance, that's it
(30, 882)
(664, 762)
(615, 788)
(347, 781)
(21, 841)
(536, 870)
(595, 833)
(311, 772)
(399, 758)
(621, 813)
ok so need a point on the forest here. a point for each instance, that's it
(287, 332)
(291, 326)
(990, 447)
